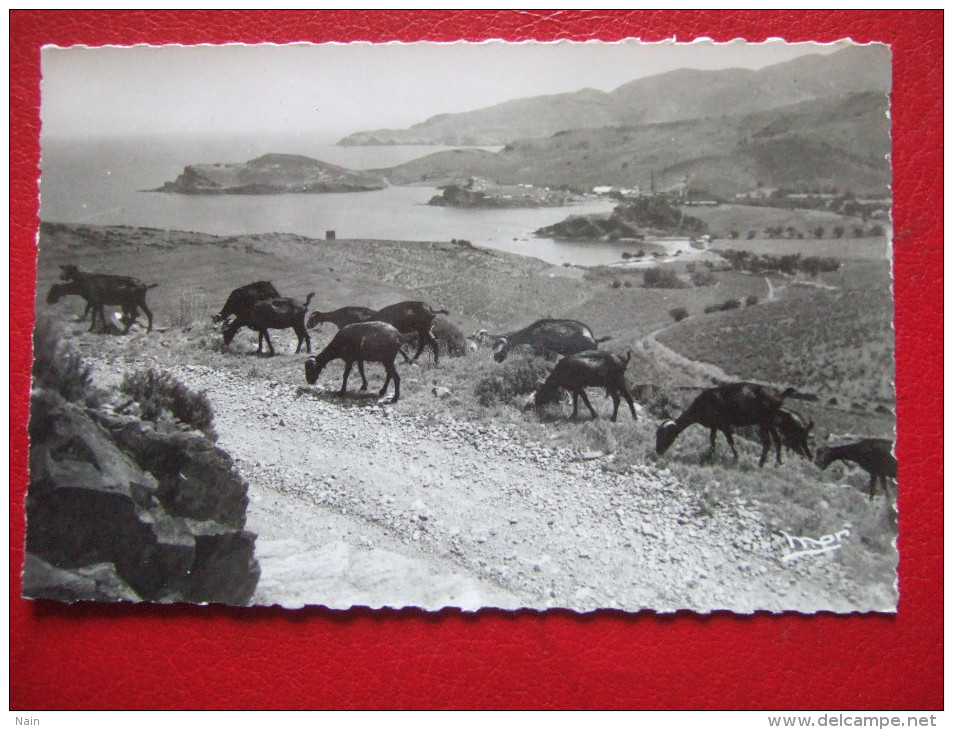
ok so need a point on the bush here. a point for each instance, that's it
(679, 313)
(751, 300)
(188, 309)
(515, 377)
(157, 392)
(703, 278)
(723, 307)
(58, 366)
(656, 278)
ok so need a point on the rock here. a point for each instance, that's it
(441, 392)
(98, 582)
(89, 504)
(224, 569)
(196, 479)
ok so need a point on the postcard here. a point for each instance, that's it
(511, 325)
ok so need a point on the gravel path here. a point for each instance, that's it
(357, 503)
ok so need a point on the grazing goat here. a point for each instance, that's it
(450, 338)
(725, 407)
(410, 317)
(360, 342)
(279, 313)
(795, 431)
(125, 292)
(875, 456)
(549, 337)
(70, 272)
(241, 300)
(590, 369)
(341, 317)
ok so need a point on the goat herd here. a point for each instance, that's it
(368, 335)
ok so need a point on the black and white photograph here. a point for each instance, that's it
(497, 325)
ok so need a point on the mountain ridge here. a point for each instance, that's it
(677, 95)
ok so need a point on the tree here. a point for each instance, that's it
(678, 313)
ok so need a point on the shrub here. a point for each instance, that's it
(515, 377)
(703, 278)
(679, 313)
(157, 392)
(58, 366)
(723, 307)
(751, 300)
(657, 278)
(188, 309)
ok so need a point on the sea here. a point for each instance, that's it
(104, 181)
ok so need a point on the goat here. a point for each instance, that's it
(360, 342)
(795, 431)
(549, 336)
(724, 407)
(278, 313)
(409, 317)
(450, 338)
(129, 295)
(70, 272)
(875, 456)
(242, 299)
(581, 370)
(341, 317)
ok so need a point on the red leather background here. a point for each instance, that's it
(190, 657)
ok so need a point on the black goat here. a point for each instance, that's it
(590, 369)
(795, 431)
(360, 342)
(549, 337)
(241, 301)
(725, 407)
(875, 456)
(125, 292)
(279, 313)
(450, 338)
(412, 316)
(341, 317)
(70, 272)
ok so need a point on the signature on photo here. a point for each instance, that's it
(804, 546)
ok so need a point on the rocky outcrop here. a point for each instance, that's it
(489, 195)
(591, 228)
(271, 174)
(119, 510)
(651, 215)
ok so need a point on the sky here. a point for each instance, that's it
(337, 89)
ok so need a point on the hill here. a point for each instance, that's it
(839, 141)
(452, 498)
(676, 96)
(269, 175)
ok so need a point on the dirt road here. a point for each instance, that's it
(357, 503)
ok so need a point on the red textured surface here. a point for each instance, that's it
(147, 657)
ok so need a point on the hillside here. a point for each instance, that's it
(269, 175)
(675, 96)
(455, 495)
(839, 141)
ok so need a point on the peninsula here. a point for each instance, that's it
(271, 174)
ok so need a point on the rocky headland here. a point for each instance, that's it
(271, 174)
(632, 221)
(486, 194)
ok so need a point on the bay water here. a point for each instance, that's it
(104, 182)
